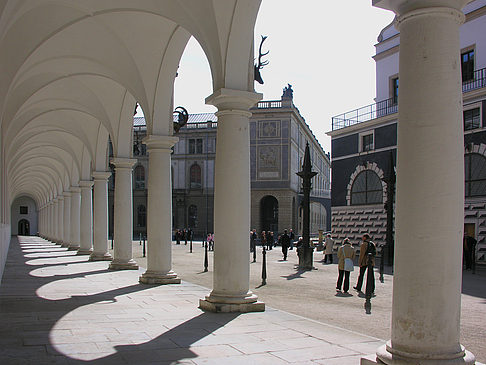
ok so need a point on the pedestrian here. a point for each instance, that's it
(269, 238)
(328, 248)
(253, 238)
(292, 238)
(185, 234)
(366, 247)
(211, 242)
(263, 239)
(345, 256)
(469, 245)
(285, 242)
(178, 236)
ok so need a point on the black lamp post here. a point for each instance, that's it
(306, 251)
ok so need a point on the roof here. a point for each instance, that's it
(193, 118)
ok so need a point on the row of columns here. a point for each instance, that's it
(78, 219)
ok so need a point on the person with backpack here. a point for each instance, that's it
(345, 256)
(367, 246)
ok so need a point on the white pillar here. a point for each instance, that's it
(123, 215)
(100, 243)
(52, 208)
(430, 189)
(231, 278)
(86, 218)
(159, 214)
(75, 217)
(67, 219)
(60, 220)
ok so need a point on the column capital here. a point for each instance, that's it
(123, 163)
(156, 142)
(60, 198)
(66, 194)
(234, 100)
(101, 175)
(75, 189)
(86, 184)
(402, 7)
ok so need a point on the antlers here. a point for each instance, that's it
(261, 64)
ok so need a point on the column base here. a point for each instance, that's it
(100, 256)
(85, 251)
(123, 265)
(64, 244)
(73, 248)
(153, 277)
(228, 304)
(389, 356)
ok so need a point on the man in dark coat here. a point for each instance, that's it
(285, 242)
(367, 246)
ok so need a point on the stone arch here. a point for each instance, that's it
(359, 169)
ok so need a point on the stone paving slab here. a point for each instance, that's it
(59, 308)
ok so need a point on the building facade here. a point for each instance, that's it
(364, 141)
(278, 135)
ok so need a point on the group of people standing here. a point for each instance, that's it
(183, 235)
(267, 240)
(346, 254)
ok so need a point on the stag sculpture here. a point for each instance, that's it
(182, 118)
(261, 64)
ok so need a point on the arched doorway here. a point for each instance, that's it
(269, 213)
(24, 227)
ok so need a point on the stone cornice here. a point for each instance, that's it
(86, 183)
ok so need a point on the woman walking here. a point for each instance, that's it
(345, 255)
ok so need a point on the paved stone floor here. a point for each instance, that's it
(59, 308)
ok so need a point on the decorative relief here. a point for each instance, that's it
(269, 129)
(269, 162)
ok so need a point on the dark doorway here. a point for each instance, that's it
(24, 227)
(269, 213)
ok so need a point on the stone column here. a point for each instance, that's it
(52, 208)
(159, 212)
(66, 239)
(60, 220)
(75, 217)
(86, 218)
(123, 215)
(430, 188)
(232, 205)
(100, 243)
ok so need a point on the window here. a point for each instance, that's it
(195, 177)
(467, 65)
(366, 142)
(395, 90)
(475, 174)
(367, 189)
(24, 210)
(141, 216)
(195, 146)
(139, 177)
(472, 119)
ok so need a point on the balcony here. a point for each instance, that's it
(390, 106)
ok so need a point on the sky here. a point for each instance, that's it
(322, 48)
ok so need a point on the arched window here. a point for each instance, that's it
(366, 189)
(139, 177)
(195, 176)
(475, 174)
(141, 216)
(192, 216)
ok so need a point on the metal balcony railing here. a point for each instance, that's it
(390, 106)
(363, 114)
(476, 82)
